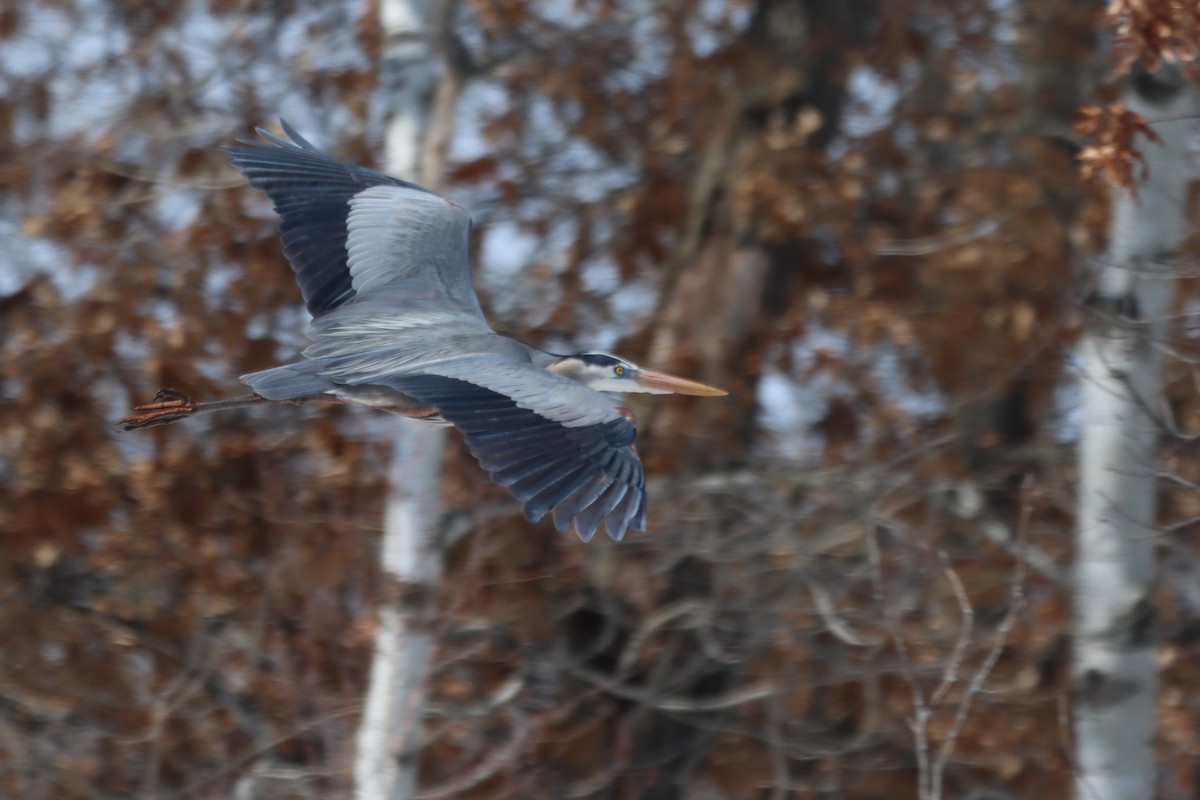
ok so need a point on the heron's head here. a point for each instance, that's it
(606, 373)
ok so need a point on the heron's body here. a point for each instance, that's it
(383, 266)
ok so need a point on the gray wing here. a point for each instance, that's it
(349, 231)
(414, 246)
(555, 444)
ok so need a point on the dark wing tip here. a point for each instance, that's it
(297, 139)
(294, 141)
(584, 475)
(592, 492)
(311, 191)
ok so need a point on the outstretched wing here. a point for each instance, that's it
(349, 231)
(384, 269)
(555, 444)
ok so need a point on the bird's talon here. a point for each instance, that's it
(169, 405)
(168, 394)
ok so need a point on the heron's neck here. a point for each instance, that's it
(568, 368)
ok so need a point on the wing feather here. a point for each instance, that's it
(406, 237)
(617, 521)
(584, 470)
(555, 492)
(591, 516)
(523, 477)
(583, 508)
(349, 231)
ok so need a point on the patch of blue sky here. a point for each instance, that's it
(163, 311)
(132, 350)
(25, 256)
(714, 24)
(84, 106)
(205, 43)
(213, 366)
(218, 278)
(999, 64)
(1005, 24)
(917, 402)
(328, 38)
(905, 135)
(636, 299)
(571, 167)
(507, 250)
(598, 175)
(287, 325)
(793, 402)
(132, 145)
(25, 127)
(601, 277)
(176, 207)
(506, 254)
(505, 274)
(627, 306)
(269, 56)
(651, 49)
(96, 41)
(37, 48)
(75, 53)
(481, 101)
(791, 406)
(787, 411)
(874, 100)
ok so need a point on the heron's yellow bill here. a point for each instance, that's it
(662, 382)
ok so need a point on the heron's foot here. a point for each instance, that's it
(169, 406)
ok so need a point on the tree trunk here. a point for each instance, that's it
(726, 288)
(389, 736)
(1113, 676)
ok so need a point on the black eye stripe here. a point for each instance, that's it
(599, 359)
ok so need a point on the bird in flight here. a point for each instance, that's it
(384, 269)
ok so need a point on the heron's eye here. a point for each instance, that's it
(618, 371)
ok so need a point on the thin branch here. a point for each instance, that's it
(834, 623)
(1016, 600)
(932, 244)
(965, 631)
(502, 756)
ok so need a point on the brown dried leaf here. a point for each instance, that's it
(1114, 156)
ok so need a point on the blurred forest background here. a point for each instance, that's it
(866, 219)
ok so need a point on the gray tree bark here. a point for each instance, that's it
(1113, 675)
(389, 736)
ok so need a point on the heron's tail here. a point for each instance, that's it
(289, 382)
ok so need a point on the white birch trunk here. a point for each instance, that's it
(1114, 673)
(389, 736)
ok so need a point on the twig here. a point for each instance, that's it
(1016, 599)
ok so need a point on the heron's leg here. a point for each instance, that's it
(171, 406)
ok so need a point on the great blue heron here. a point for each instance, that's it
(383, 266)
